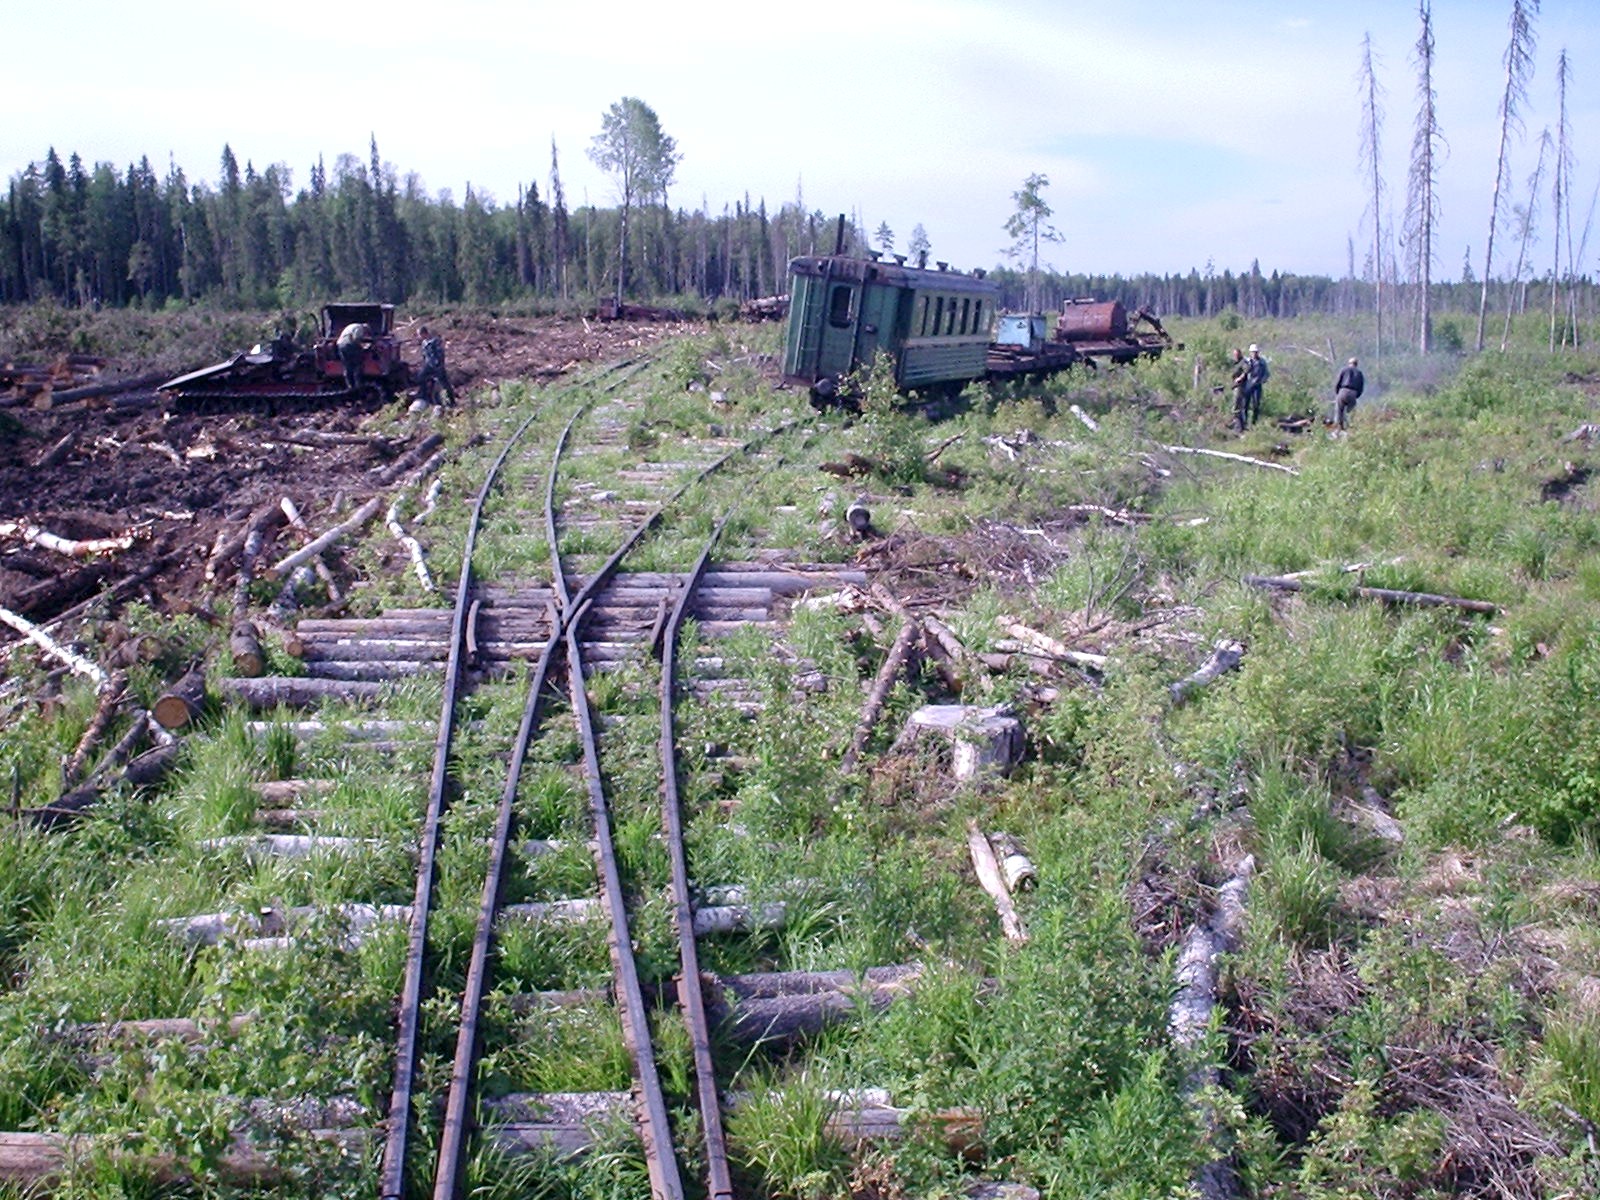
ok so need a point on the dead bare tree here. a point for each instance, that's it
(1527, 218)
(1422, 195)
(1519, 68)
(1561, 197)
(1371, 159)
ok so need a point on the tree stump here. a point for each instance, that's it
(981, 739)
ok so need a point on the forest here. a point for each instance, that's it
(89, 236)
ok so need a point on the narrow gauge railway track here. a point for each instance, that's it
(594, 617)
(568, 606)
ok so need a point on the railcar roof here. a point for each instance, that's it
(863, 270)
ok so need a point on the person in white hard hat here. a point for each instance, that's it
(1255, 378)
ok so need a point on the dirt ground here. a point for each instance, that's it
(176, 477)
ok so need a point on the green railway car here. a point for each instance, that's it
(934, 325)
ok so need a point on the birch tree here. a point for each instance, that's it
(1519, 69)
(641, 161)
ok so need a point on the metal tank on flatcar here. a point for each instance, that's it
(933, 324)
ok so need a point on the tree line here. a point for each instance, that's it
(88, 236)
(82, 235)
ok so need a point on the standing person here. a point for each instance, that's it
(1347, 390)
(1256, 378)
(433, 368)
(352, 346)
(1240, 383)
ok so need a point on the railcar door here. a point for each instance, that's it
(841, 319)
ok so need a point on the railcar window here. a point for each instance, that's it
(839, 307)
(922, 316)
(938, 314)
(966, 313)
(977, 317)
(950, 322)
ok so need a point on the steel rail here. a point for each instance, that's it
(454, 1132)
(397, 1134)
(398, 1130)
(690, 998)
(566, 616)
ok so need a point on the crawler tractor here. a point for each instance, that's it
(280, 369)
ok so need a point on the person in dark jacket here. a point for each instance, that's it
(1347, 390)
(433, 374)
(1239, 382)
(1255, 380)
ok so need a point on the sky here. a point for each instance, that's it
(1174, 133)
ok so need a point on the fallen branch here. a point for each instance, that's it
(72, 548)
(1242, 458)
(893, 664)
(298, 524)
(78, 664)
(1092, 425)
(105, 712)
(317, 545)
(1047, 645)
(1224, 657)
(992, 880)
(1285, 583)
(267, 517)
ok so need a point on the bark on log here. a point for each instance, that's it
(1225, 656)
(294, 691)
(266, 518)
(317, 545)
(244, 645)
(893, 664)
(1239, 458)
(412, 547)
(76, 662)
(40, 1160)
(1284, 583)
(411, 458)
(289, 792)
(183, 702)
(110, 700)
(298, 524)
(1045, 644)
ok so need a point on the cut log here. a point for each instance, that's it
(1045, 644)
(1285, 583)
(893, 664)
(266, 518)
(295, 691)
(1016, 868)
(411, 458)
(76, 662)
(318, 544)
(297, 523)
(244, 644)
(289, 792)
(182, 703)
(1225, 655)
(57, 454)
(71, 547)
(412, 547)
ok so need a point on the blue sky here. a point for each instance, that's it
(1173, 134)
